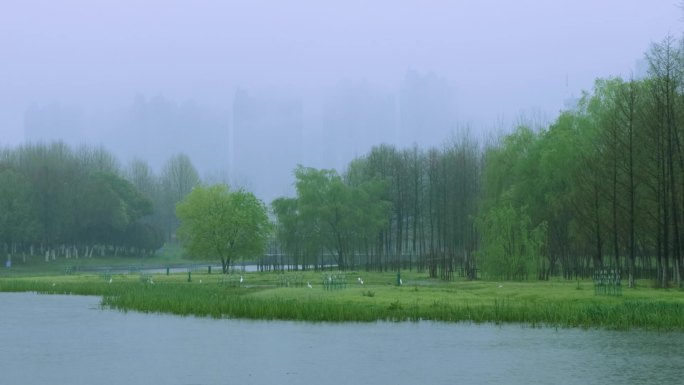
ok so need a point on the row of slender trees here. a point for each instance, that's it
(56, 201)
(601, 187)
(390, 209)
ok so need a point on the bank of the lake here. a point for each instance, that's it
(68, 340)
(555, 303)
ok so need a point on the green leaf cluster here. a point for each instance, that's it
(218, 223)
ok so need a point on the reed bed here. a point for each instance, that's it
(538, 304)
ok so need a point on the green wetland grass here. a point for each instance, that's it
(539, 304)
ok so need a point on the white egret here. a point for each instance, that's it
(360, 280)
(309, 285)
(110, 280)
(401, 283)
(241, 279)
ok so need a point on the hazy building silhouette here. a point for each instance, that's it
(152, 129)
(157, 128)
(355, 117)
(266, 143)
(427, 109)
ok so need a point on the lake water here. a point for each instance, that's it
(51, 339)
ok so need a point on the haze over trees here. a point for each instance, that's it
(600, 187)
(161, 126)
(56, 201)
(323, 130)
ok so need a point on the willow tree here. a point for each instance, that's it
(329, 214)
(511, 223)
(218, 223)
(294, 235)
(511, 247)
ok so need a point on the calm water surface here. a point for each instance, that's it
(50, 339)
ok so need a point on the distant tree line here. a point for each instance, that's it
(56, 201)
(601, 187)
(390, 209)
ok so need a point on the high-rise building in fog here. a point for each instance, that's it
(427, 109)
(356, 117)
(151, 129)
(157, 128)
(266, 143)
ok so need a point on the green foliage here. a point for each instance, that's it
(178, 178)
(18, 221)
(329, 215)
(390, 208)
(144, 236)
(293, 233)
(513, 237)
(218, 223)
(62, 202)
(109, 210)
(511, 248)
(602, 185)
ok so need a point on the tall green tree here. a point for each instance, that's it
(18, 222)
(331, 215)
(178, 178)
(218, 223)
(511, 247)
(109, 205)
(512, 230)
(324, 202)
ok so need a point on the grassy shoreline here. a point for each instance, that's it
(552, 303)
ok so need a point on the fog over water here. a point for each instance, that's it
(249, 89)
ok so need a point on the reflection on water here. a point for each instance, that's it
(69, 340)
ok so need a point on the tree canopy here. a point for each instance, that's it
(58, 201)
(218, 223)
(329, 216)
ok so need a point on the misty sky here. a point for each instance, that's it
(502, 57)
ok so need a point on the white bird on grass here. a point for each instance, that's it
(110, 280)
(309, 285)
(401, 283)
(241, 279)
(360, 280)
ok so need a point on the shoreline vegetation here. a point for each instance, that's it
(287, 296)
